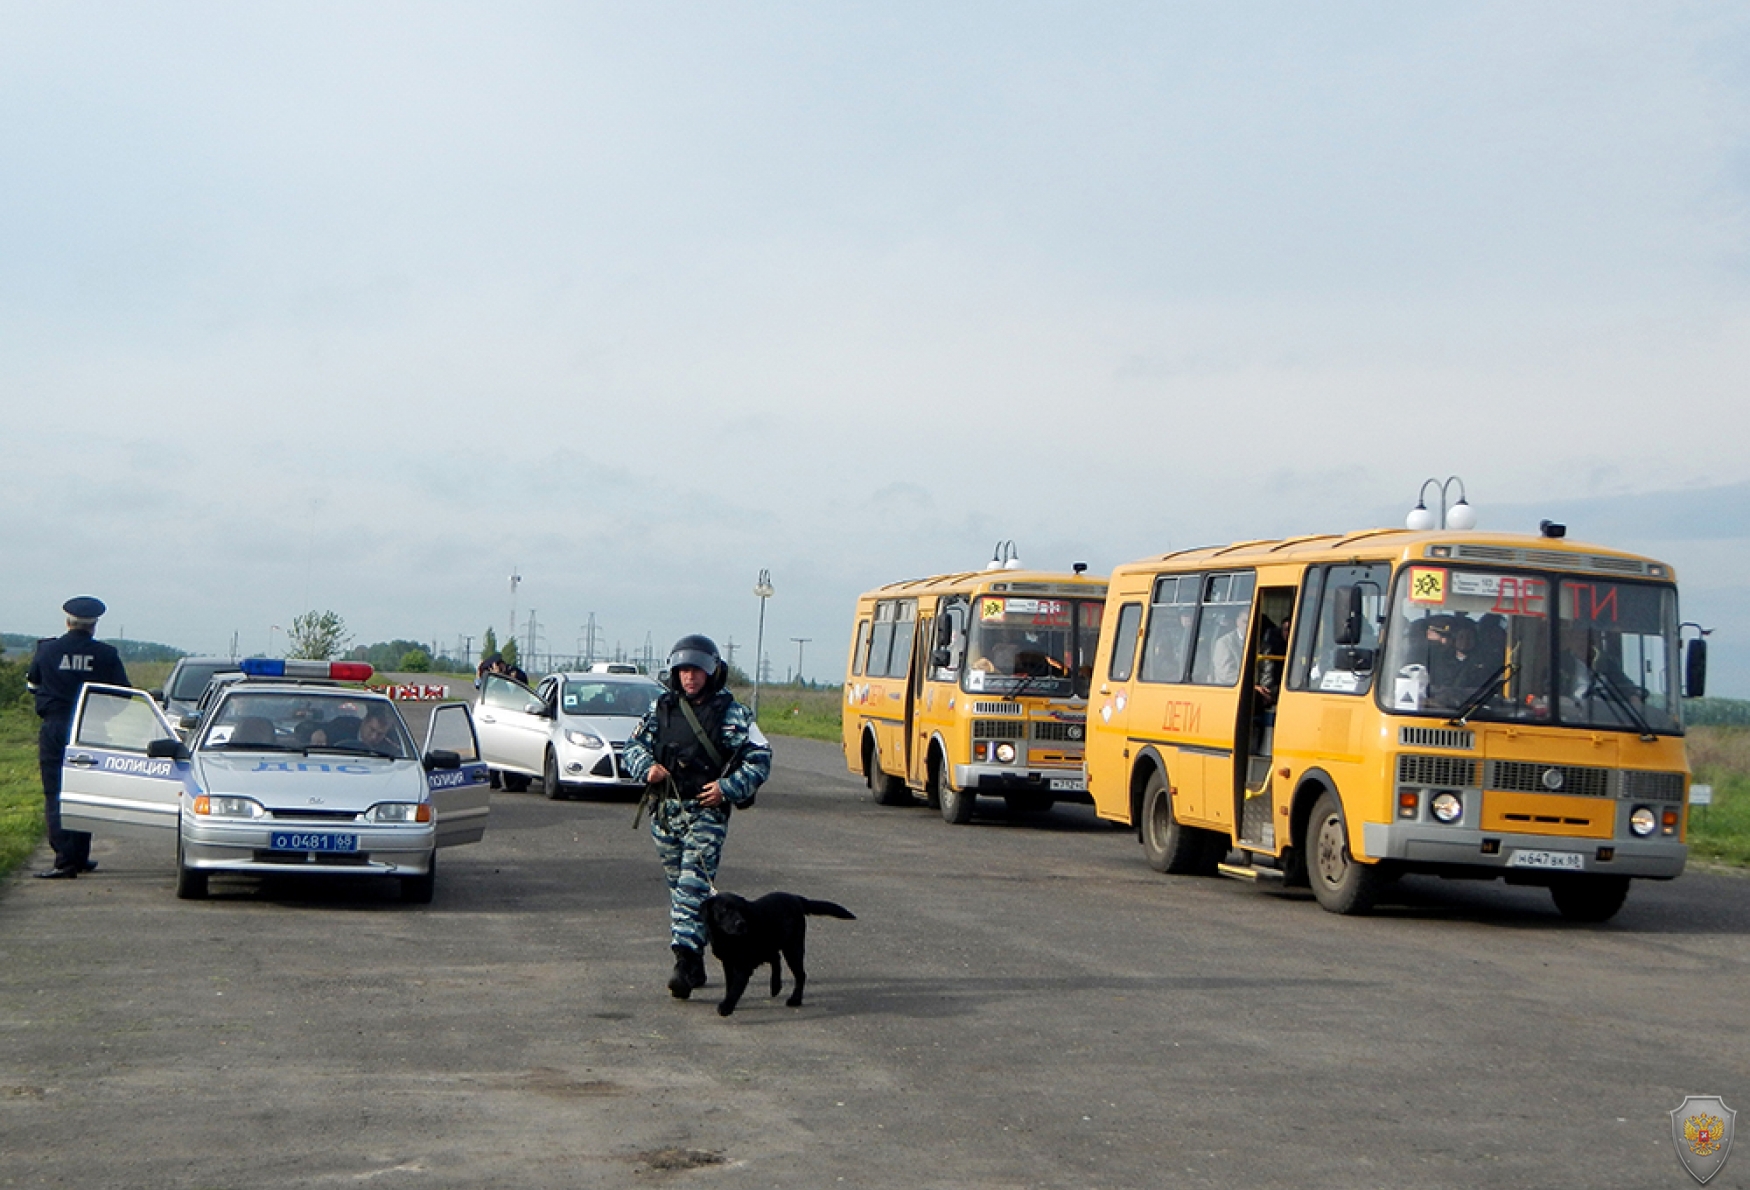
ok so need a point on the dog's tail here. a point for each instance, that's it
(826, 909)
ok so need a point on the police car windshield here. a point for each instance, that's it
(281, 720)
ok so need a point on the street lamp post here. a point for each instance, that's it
(1458, 515)
(763, 588)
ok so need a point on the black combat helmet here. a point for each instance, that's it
(700, 652)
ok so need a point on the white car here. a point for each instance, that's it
(279, 777)
(567, 733)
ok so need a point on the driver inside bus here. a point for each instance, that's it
(1001, 659)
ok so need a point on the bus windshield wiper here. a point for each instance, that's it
(1614, 694)
(1026, 680)
(1481, 695)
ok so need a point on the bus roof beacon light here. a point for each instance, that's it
(1551, 529)
(1456, 515)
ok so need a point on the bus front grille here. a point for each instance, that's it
(1518, 776)
(1449, 772)
(995, 729)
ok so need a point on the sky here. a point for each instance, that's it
(364, 308)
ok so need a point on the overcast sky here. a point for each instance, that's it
(357, 307)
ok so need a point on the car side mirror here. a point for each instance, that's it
(442, 758)
(1348, 604)
(189, 722)
(1695, 669)
(156, 696)
(167, 750)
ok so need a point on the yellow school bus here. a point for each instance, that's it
(1341, 710)
(973, 685)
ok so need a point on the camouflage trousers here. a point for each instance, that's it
(689, 841)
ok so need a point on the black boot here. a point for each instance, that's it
(687, 964)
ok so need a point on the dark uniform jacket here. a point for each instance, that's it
(65, 663)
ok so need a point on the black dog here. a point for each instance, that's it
(747, 934)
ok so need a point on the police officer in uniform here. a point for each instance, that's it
(699, 754)
(61, 666)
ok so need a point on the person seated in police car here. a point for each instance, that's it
(699, 754)
(375, 733)
(60, 667)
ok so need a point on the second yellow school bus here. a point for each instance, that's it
(973, 684)
(1345, 709)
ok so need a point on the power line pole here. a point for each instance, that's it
(515, 578)
(800, 641)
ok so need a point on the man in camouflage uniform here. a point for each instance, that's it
(699, 754)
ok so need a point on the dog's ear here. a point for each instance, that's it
(731, 920)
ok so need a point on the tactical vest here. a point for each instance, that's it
(678, 748)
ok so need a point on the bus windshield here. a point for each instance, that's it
(1043, 647)
(1489, 646)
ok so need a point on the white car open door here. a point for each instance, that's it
(514, 732)
(110, 784)
(460, 795)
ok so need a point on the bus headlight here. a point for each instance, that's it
(1446, 806)
(1643, 821)
(1006, 753)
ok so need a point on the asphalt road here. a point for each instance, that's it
(1021, 1004)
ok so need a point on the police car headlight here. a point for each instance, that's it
(1006, 753)
(399, 812)
(209, 806)
(583, 739)
(1643, 821)
(1446, 807)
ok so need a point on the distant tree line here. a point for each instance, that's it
(1716, 712)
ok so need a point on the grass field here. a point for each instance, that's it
(1720, 757)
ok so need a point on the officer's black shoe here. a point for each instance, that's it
(680, 981)
(696, 968)
(67, 873)
(89, 866)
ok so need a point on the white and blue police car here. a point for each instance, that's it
(287, 771)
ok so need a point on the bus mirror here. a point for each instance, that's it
(1695, 669)
(941, 658)
(1354, 660)
(1348, 604)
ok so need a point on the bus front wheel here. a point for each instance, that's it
(1168, 844)
(1589, 898)
(1339, 883)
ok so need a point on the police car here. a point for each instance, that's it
(285, 772)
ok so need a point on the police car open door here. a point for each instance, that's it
(111, 784)
(460, 795)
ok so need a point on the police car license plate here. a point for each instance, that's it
(1067, 784)
(306, 841)
(1560, 861)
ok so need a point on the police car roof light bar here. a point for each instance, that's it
(274, 667)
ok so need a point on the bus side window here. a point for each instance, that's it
(881, 638)
(899, 663)
(1305, 623)
(1346, 667)
(1124, 642)
(949, 648)
(860, 650)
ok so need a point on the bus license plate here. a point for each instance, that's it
(1559, 861)
(306, 841)
(1067, 784)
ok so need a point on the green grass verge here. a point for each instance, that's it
(787, 710)
(1721, 832)
(21, 788)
